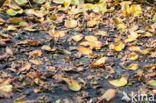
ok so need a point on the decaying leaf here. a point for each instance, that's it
(119, 82)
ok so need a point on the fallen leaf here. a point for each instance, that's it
(77, 37)
(152, 83)
(108, 95)
(119, 82)
(92, 23)
(91, 38)
(85, 51)
(57, 34)
(25, 67)
(133, 66)
(35, 53)
(133, 56)
(5, 88)
(98, 63)
(72, 84)
(36, 62)
(119, 46)
(9, 51)
(46, 47)
(70, 23)
(29, 42)
(102, 33)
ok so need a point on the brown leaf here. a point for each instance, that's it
(29, 42)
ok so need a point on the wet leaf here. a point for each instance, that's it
(70, 23)
(108, 95)
(133, 66)
(85, 51)
(72, 84)
(119, 82)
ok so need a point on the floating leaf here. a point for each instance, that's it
(120, 82)
(85, 51)
(70, 23)
(133, 66)
(72, 84)
(100, 62)
(108, 95)
(152, 83)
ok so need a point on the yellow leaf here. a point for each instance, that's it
(119, 82)
(85, 51)
(91, 38)
(146, 51)
(92, 23)
(108, 95)
(100, 62)
(119, 46)
(152, 83)
(133, 66)
(147, 34)
(70, 23)
(133, 56)
(132, 37)
(57, 34)
(102, 33)
(72, 84)
(125, 7)
(77, 37)
(136, 9)
(95, 44)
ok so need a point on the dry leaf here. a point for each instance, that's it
(98, 63)
(85, 51)
(25, 67)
